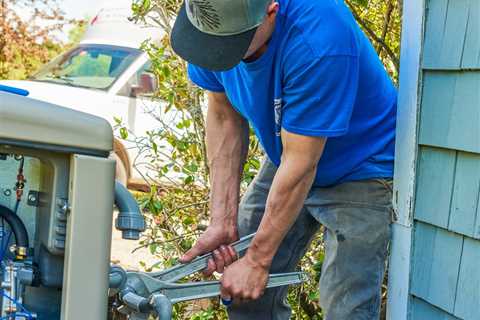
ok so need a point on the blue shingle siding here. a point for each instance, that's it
(445, 265)
(445, 273)
(450, 111)
(467, 301)
(452, 40)
(437, 254)
(422, 310)
(436, 173)
(448, 190)
(464, 213)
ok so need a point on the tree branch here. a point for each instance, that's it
(386, 23)
(374, 37)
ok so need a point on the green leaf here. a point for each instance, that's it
(158, 205)
(124, 133)
(188, 180)
(146, 5)
(363, 3)
(153, 248)
(313, 295)
(188, 221)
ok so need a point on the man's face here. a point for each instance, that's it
(264, 31)
(261, 37)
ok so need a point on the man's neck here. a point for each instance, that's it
(257, 54)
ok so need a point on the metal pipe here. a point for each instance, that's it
(117, 277)
(162, 306)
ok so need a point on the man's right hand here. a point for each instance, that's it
(218, 240)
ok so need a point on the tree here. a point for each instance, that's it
(27, 40)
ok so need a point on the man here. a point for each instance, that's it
(308, 81)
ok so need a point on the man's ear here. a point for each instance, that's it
(272, 9)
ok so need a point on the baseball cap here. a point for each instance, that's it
(216, 34)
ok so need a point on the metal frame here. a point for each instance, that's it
(88, 242)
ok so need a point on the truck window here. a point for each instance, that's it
(142, 83)
(88, 66)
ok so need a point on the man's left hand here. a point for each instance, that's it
(244, 280)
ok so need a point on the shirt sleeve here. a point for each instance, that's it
(204, 78)
(318, 96)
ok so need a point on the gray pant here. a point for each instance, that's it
(357, 217)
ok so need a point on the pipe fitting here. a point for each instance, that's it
(162, 306)
(130, 220)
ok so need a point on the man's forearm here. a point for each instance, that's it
(290, 187)
(227, 147)
(289, 190)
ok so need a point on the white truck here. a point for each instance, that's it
(106, 75)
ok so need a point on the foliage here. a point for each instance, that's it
(381, 21)
(76, 33)
(27, 29)
(177, 207)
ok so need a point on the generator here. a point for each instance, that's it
(57, 197)
(57, 192)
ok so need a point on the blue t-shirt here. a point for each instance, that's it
(320, 76)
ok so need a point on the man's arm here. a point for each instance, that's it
(246, 278)
(227, 146)
(290, 187)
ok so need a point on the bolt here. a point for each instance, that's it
(32, 198)
(63, 206)
(7, 192)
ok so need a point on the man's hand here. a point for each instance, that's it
(218, 240)
(244, 280)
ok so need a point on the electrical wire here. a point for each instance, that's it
(25, 313)
(4, 245)
(20, 185)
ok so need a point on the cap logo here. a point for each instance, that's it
(204, 13)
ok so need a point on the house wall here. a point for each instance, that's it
(443, 216)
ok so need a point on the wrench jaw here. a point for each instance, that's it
(134, 294)
(142, 296)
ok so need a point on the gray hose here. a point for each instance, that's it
(162, 306)
(117, 277)
(130, 220)
(134, 301)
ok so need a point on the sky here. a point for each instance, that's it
(77, 9)
(80, 9)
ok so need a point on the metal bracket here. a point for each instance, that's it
(33, 198)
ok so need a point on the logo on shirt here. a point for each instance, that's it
(277, 103)
(204, 13)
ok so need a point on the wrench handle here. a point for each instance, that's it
(192, 291)
(199, 263)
